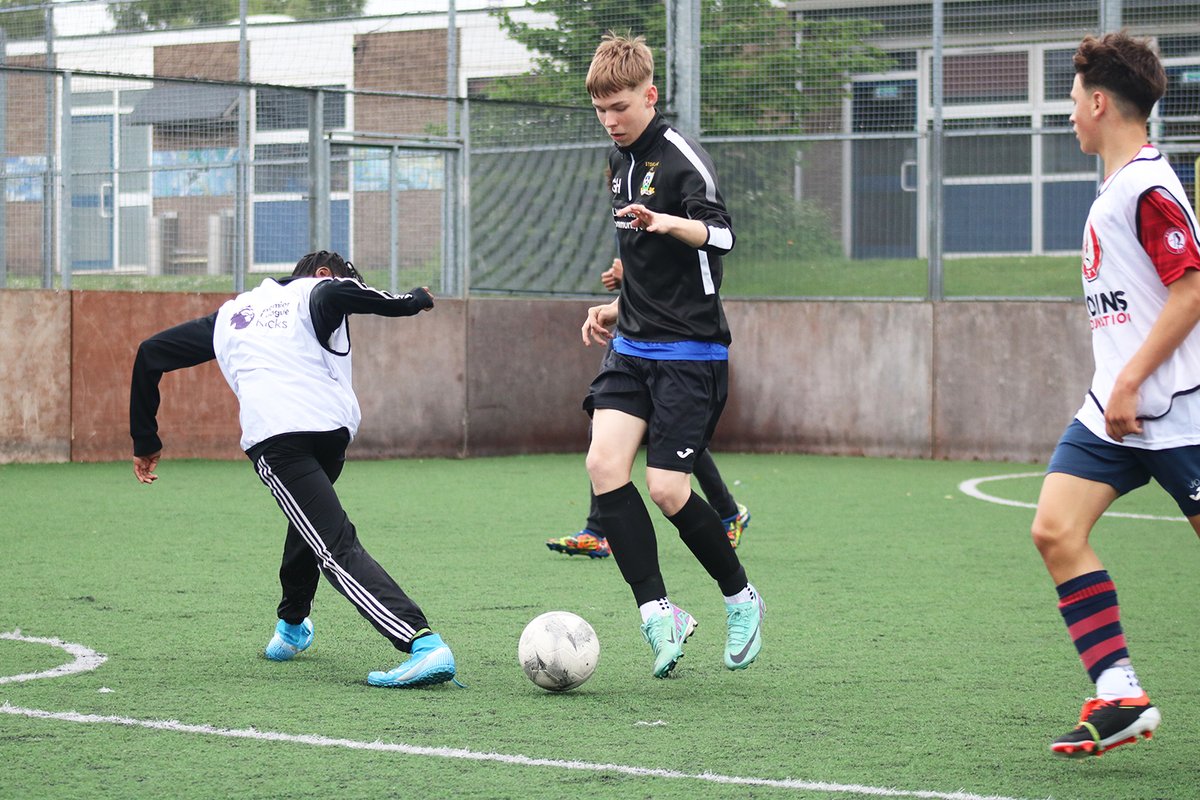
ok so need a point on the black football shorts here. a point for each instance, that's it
(681, 402)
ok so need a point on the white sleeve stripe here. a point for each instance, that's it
(720, 237)
(710, 185)
(706, 274)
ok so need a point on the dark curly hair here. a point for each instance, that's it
(1123, 65)
(308, 265)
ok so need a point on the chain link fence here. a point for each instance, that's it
(865, 149)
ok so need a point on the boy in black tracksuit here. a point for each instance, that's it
(665, 377)
(284, 348)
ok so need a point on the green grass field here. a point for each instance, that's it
(1009, 276)
(912, 644)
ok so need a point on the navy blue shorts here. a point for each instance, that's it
(681, 402)
(1083, 454)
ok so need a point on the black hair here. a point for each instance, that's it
(308, 265)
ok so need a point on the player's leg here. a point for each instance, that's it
(616, 437)
(735, 515)
(1084, 477)
(620, 404)
(298, 578)
(688, 399)
(300, 471)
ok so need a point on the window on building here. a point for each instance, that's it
(989, 152)
(986, 78)
(283, 109)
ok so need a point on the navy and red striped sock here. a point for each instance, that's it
(1089, 606)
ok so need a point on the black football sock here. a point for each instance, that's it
(703, 532)
(623, 517)
(593, 524)
(713, 486)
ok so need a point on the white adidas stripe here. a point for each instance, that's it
(355, 591)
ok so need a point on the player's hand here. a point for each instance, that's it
(424, 298)
(599, 321)
(1120, 417)
(646, 219)
(612, 277)
(144, 466)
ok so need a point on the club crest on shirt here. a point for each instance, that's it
(616, 185)
(1091, 254)
(1175, 240)
(647, 189)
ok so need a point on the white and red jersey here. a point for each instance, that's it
(1141, 235)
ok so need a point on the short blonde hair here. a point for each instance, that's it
(619, 63)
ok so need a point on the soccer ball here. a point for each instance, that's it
(558, 650)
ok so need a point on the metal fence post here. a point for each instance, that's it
(65, 181)
(241, 206)
(1110, 15)
(463, 217)
(450, 264)
(393, 220)
(937, 289)
(3, 162)
(319, 230)
(684, 64)
(49, 182)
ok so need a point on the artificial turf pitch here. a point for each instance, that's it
(912, 644)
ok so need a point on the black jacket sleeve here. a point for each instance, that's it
(332, 300)
(184, 345)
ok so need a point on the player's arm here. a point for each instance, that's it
(1165, 233)
(182, 346)
(706, 223)
(1179, 316)
(332, 300)
(691, 232)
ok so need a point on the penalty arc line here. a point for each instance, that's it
(971, 489)
(86, 659)
(471, 755)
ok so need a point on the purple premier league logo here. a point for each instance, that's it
(243, 318)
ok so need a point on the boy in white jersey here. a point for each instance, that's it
(1141, 280)
(284, 348)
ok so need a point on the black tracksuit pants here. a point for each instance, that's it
(300, 470)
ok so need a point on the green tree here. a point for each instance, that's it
(761, 67)
(156, 14)
(22, 24)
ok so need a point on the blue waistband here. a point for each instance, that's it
(671, 351)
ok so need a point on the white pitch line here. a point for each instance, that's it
(971, 489)
(86, 659)
(471, 755)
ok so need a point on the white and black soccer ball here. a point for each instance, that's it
(558, 650)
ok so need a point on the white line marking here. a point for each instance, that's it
(86, 659)
(971, 488)
(471, 755)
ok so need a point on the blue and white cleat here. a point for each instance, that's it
(431, 662)
(289, 640)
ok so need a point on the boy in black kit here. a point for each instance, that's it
(665, 377)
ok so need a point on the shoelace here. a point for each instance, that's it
(741, 619)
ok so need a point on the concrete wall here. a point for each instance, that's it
(35, 376)
(995, 381)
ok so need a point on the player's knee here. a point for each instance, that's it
(669, 496)
(605, 473)
(1049, 534)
